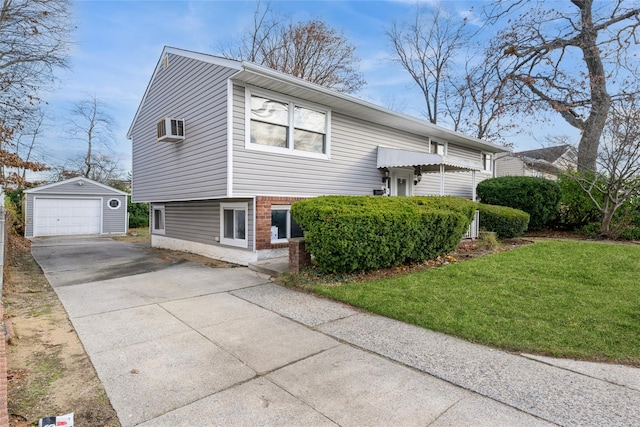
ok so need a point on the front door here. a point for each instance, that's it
(401, 183)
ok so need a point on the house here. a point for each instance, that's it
(75, 206)
(546, 162)
(222, 148)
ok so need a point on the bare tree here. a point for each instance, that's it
(477, 104)
(564, 58)
(33, 43)
(310, 50)
(426, 48)
(105, 169)
(92, 124)
(17, 150)
(258, 39)
(617, 180)
(27, 141)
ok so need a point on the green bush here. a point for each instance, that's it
(506, 222)
(577, 210)
(13, 215)
(360, 233)
(538, 197)
(138, 214)
(579, 213)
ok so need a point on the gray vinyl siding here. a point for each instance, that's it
(510, 166)
(455, 184)
(28, 215)
(195, 168)
(113, 220)
(199, 221)
(351, 170)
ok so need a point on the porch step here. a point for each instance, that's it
(272, 267)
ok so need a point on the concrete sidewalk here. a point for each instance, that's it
(177, 343)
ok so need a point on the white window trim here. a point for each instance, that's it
(288, 209)
(491, 167)
(291, 101)
(242, 243)
(445, 146)
(153, 220)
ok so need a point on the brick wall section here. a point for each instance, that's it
(4, 412)
(299, 258)
(263, 220)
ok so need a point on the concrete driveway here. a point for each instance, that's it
(181, 344)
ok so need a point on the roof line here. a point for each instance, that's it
(260, 70)
(77, 178)
(268, 72)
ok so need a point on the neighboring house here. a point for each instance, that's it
(76, 206)
(222, 148)
(544, 162)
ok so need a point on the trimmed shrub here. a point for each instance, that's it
(359, 233)
(506, 222)
(538, 197)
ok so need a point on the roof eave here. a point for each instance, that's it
(251, 73)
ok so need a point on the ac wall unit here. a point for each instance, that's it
(170, 130)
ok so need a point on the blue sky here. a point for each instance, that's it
(117, 45)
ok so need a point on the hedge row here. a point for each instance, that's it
(359, 233)
(506, 222)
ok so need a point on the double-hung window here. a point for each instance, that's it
(283, 226)
(234, 224)
(286, 126)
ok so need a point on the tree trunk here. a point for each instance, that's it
(605, 226)
(600, 99)
(590, 139)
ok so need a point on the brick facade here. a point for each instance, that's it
(299, 258)
(263, 220)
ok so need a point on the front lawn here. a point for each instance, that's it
(559, 298)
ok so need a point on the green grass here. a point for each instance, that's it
(559, 298)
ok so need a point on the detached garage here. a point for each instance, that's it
(76, 206)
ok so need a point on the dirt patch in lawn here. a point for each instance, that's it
(48, 371)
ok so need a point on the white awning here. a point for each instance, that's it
(397, 158)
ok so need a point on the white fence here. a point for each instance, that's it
(474, 228)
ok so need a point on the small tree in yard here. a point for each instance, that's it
(617, 181)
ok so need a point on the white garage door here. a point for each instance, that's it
(59, 217)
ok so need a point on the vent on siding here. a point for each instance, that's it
(170, 130)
